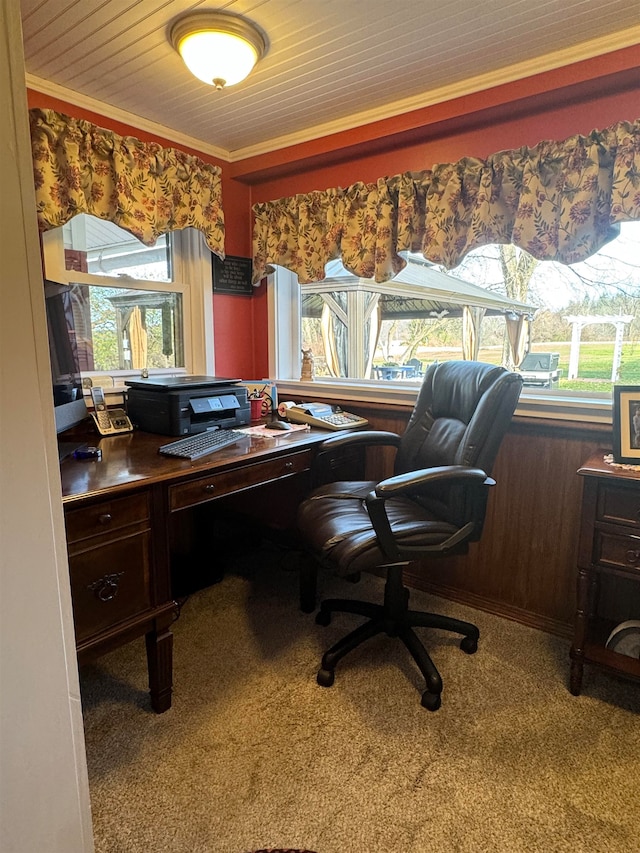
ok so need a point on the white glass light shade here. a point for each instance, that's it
(218, 48)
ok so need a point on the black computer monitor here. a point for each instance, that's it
(69, 405)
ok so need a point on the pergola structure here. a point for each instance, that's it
(351, 310)
(579, 322)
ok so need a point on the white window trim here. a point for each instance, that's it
(283, 301)
(285, 330)
(193, 265)
(192, 279)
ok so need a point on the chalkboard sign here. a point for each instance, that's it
(233, 275)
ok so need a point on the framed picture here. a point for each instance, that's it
(626, 423)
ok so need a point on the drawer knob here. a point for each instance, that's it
(106, 587)
(633, 557)
(210, 487)
(105, 518)
(288, 466)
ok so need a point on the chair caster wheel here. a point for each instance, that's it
(469, 645)
(323, 617)
(431, 701)
(325, 677)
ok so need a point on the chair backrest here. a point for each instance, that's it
(462, 413)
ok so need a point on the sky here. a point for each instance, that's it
(555, 285)
(558, 289)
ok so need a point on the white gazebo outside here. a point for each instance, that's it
(351, 310)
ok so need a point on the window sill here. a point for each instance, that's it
(594, 409)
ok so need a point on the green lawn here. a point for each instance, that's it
(594, 366)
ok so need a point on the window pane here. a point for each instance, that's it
(359, 329)
(98, 247)
(125, 329)
(585, 333)
(584, 319)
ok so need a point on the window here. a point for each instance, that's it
(585, 330)
(137, 308)
(581, 322)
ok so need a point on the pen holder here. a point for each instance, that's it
(255, 404)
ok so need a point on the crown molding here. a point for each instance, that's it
(471, 85)
(45, 87)
(521, 70)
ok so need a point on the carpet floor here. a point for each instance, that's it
(254, 754)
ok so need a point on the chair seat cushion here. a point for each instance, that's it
(335, 521)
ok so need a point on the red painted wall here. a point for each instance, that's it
(605, 75)
(506, 117)
(553, 105)
(450, 145)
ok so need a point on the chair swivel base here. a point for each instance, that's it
(400, 624)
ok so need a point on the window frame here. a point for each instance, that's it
(285, 347)
(192, 278)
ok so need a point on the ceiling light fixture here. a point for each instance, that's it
(218, 48)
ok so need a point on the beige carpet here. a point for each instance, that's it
(254, 754)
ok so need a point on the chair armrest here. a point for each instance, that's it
(408, 484)
(360, 438)
(405, 483)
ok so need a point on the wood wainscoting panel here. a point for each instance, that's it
(524, 566)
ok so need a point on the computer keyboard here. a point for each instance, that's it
(194, 446)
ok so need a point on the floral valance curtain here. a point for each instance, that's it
(558, 200)
(140, 186)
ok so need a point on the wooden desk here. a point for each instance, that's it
(118, 515)
(609, 550)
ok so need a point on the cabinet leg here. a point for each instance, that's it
(575, 677)
(160, 664)
(583, 587)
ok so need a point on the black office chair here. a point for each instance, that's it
(433, 506)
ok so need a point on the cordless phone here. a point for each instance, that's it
(108, 421)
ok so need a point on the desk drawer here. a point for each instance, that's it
(619, 505)
(109, 584)
(106, 516)
(617, 551)
(216, 485)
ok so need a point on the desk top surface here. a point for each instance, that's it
(132, 460)
(596, 466)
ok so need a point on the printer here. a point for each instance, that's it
(185, 405)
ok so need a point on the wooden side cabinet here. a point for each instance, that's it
(608, 584)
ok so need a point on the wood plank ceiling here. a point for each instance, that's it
(331, 64)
